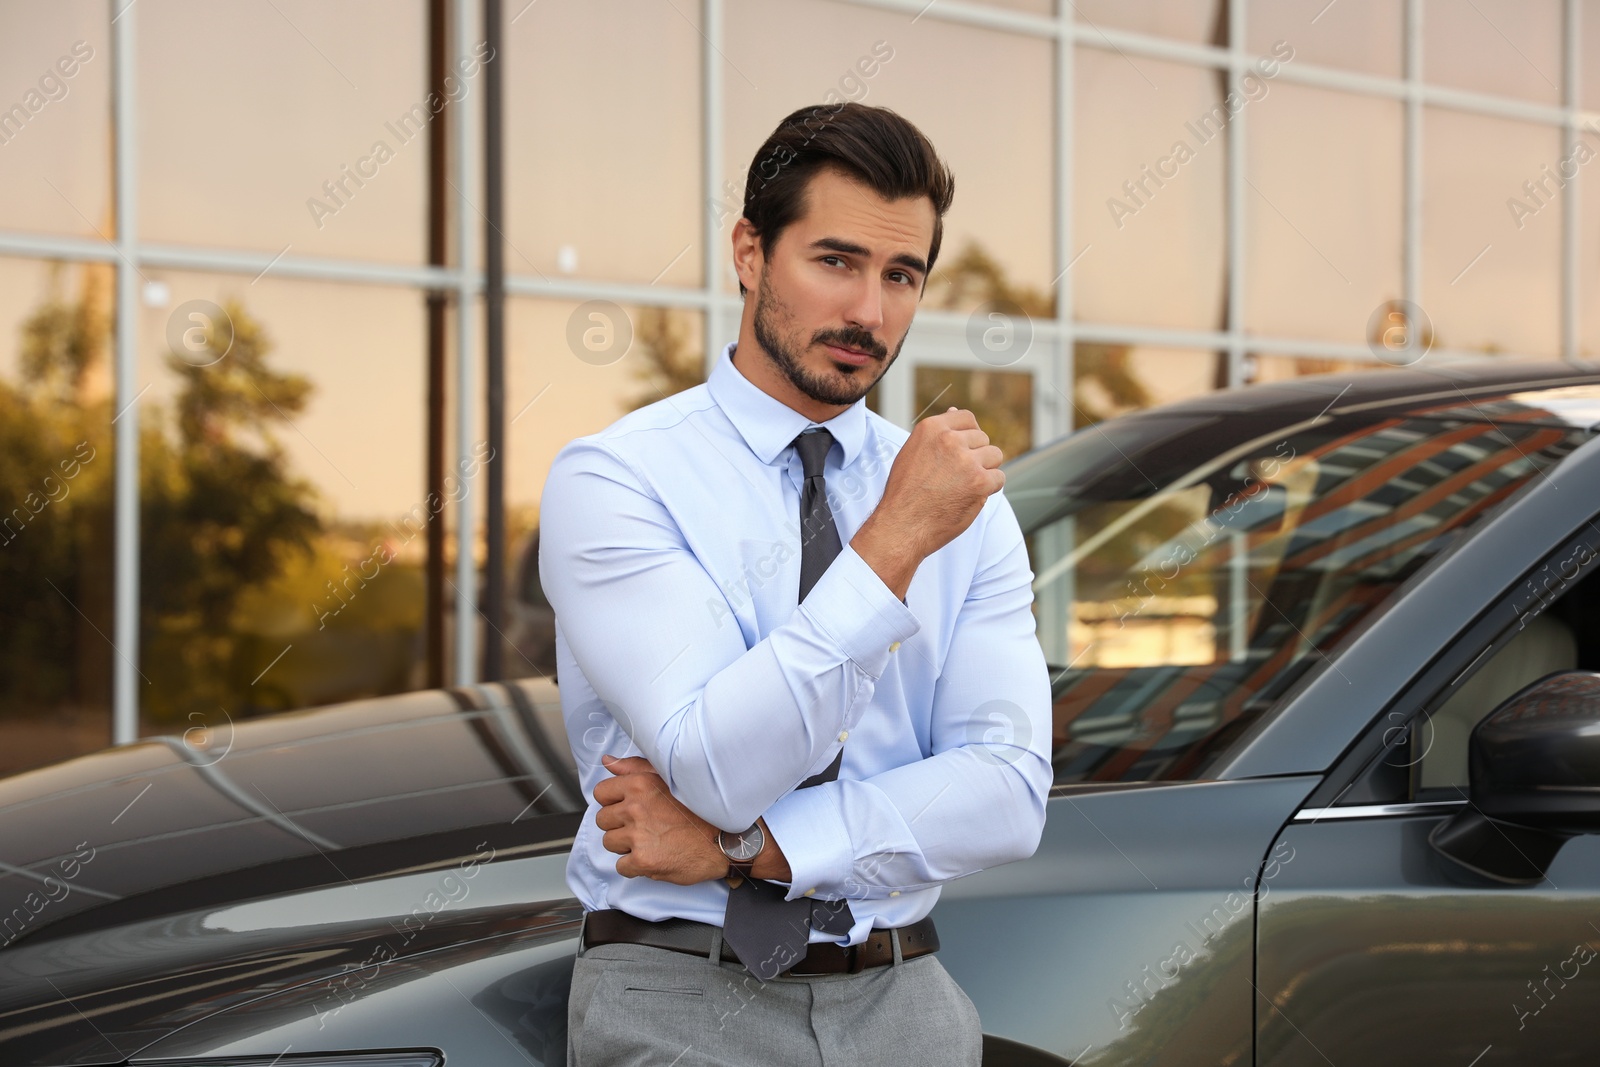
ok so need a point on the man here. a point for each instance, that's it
(797, 653)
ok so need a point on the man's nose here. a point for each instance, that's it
(866, 310)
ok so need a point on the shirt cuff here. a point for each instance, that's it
(808, 824)
(866, 620)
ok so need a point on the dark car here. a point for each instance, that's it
(1327, 759)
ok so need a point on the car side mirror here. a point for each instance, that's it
(1533, 770)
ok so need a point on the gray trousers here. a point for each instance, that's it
(633, 1004)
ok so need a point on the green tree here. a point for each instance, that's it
(219, 512)
(55, 503)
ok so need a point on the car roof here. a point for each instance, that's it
(1110, 459)
(1388, 392)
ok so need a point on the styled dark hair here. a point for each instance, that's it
(870, 144)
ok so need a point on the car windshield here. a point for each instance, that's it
(1189, 566)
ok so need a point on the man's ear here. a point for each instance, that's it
(747, 258)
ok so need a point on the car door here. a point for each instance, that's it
(1374, 947)
(1127, 938)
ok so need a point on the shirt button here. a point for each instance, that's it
(811, 892)
(894, 892)
(895, 647)
(843, 734)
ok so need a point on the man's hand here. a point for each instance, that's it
(655, 835)
(938, 484)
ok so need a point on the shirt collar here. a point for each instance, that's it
(767, 424)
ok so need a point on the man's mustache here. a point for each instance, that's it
(868, 346)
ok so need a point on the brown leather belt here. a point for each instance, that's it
(610, 926)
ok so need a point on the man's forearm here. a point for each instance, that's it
(888, 552)
(911, 827)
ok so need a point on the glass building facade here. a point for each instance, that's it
(244, 253)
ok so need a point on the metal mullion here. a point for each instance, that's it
(466, 598)
(253, 264)
(1055, 411)
(1064, 369)
(125, 551)
(493, 608)
(1493, 106)
(225, 261)
(1571, 200)
(969, 14)
(1140, 44)
(1463, 100)
(1289, 346)
(1362, 354)
(620, 292)
(1160, 337)
(1411, 208)
(1237, 131)
(46, 246)
(716, 242)
(1344, 81)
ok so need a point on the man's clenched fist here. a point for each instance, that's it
(943, 474)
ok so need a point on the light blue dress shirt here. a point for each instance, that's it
(670, 550)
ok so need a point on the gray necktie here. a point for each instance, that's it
(767, 932)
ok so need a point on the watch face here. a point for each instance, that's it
(744, 846)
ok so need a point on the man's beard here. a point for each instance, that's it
(827, 389)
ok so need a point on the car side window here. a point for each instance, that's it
(1546, 645)
(1564, 636)
(1178, 597)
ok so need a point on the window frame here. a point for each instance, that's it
(1367, 774)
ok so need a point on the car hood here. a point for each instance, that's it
(125, 848)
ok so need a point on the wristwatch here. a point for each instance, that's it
(741, 848)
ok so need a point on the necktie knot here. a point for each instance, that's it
(813, 446)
